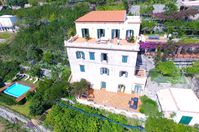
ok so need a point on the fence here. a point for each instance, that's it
(101, 117)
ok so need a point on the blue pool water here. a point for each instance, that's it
(16, 90)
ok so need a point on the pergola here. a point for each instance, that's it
(176, 49)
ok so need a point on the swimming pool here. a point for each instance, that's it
(16, 90)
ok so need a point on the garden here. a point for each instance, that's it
(9, 127)
(167, 72)
(62, 118)
(4, 35)
(39, 44)
(149, 107)
(192, 70)
(156, 122)
(164, 22)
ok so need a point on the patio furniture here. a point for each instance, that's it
(84, 95)
(154, 37)
(27, 77)
(135, 99)
(36, 80)
(135, 103)
(91, 94)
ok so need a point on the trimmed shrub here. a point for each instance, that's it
(8, 100)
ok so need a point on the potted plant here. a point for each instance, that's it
(87, 37)
(131, 39)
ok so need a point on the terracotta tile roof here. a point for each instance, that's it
(103, 16)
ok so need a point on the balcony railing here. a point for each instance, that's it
(118, 44)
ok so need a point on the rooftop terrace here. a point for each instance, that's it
(117, 44)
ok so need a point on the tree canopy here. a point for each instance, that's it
(48, 91)
(43, 28)
(192, 70)
(65, 119)
(167, 68)
(8, 69)
(159, 124)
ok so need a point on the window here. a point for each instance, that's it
(92, 55)
(138, 88)
(80, 55)
(100, 33)
(103, 84)
(185, 120)
(115, 33)
(85, 32)
(121, 88)
(104, 57)
(104, 71)
(82, 68)
(129, 34)
(123, 74)
(124, 59)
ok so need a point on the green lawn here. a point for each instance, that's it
(5, 35)
(22, 109)
(187, 40)
(159, 78)
(149, 107)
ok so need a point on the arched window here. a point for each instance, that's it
(80, 55)
(104, 70)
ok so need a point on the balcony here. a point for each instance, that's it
(140, 77)
(103, 43)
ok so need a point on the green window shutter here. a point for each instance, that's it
(82, 68)
(185, 120)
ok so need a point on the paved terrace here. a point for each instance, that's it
(116, 100)
(103, 43)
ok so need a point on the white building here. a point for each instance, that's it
(101, 54)
(188, 3)
(184, 4)
(7, 22)
(182, 103)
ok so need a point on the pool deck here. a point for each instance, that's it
(32, 88)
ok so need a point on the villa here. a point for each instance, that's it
(101, 52)
(185, 4)
(7, 23)
(104, 52)
(180, 104)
